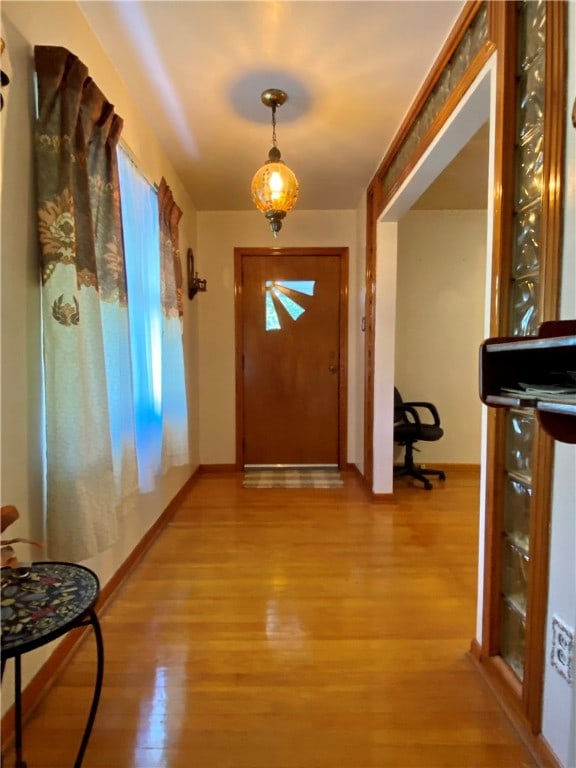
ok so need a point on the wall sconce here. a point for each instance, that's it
(195, 284)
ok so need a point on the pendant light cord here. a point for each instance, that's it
(273, 125)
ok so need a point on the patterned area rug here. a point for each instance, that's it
(292, 478)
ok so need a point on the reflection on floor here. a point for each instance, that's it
(291, 629)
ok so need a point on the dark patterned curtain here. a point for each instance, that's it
(174, 406)
(170, 263)
(90, 457)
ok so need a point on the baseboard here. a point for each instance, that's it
(375, 497)
(204, 469)
(453, 467)
(447, 467)
(144, 545)
(386, 498)
(536, 744)
(353, 470)
(43, 679)
(381, 498)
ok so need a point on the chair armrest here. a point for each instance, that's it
(413, 405)
(409, 411)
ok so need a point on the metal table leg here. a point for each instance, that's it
(18, 762)
(93, 620)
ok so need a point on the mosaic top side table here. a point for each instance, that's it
(40, 603)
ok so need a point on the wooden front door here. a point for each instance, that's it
(291, 320)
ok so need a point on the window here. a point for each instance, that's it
(277, 290)
(140, 223)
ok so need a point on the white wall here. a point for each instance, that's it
(440, 324)
(218, 234)
(384, 341)
(23, 26)
(559, 714)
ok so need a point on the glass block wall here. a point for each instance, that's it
(529, 165)
(523, 321)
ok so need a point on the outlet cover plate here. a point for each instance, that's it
(562, 654)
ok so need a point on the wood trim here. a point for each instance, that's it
(343, 361)
(122, 573)
(496, 671)
(492, 527)
(503, 24)
(375, 201)
(475, 650)
(343, 254)
(457, 33)
(353, 469)
(440, 120)
(553, 168)
(205, 469)
(239, 363)
(369, 333)
(543, 451)
(504, 21)
(495, 674)
(535, 661)
(42, 680)
(382, 498)
(453, 467)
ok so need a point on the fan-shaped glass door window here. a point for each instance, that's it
(277, 293)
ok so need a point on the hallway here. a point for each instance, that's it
(291, 628)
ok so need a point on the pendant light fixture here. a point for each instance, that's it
(274, 186)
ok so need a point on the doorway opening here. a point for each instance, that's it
(474, 111)
(440, 302)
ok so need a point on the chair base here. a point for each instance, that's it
(411, 469)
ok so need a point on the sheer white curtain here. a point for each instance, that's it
(142, 247)
(150, 228)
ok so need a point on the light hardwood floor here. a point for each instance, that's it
(291, 629)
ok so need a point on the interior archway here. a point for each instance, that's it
(474, 110)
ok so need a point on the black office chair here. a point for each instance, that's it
(409, 429)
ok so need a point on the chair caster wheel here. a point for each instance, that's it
(442, 476)
(428, 485)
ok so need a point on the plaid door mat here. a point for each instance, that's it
(292, 478)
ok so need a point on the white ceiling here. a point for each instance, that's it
(197, 68)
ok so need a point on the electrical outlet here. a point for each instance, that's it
(562, 655)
